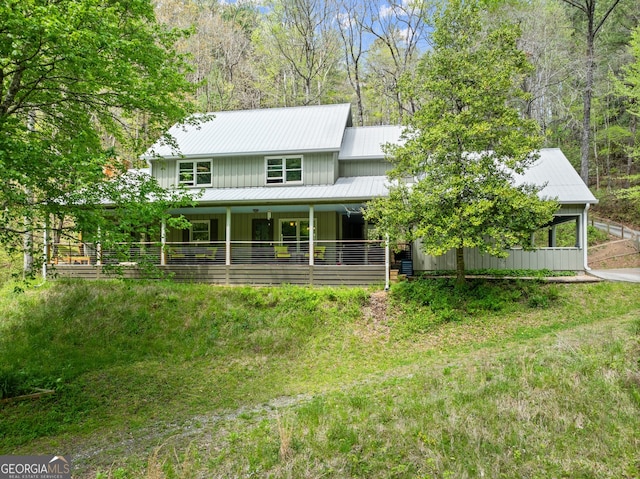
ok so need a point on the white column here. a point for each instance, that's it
(583, 240)
(387, 263)
(99, 248)
(227, 239)
(312, 233)
(163, 242)
(45, 239)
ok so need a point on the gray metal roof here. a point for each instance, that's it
(365, 143)
(264, 131)
(562, 181)
(552, 168)
(360, 188)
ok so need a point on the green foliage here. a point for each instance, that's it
(464, 144)
(301, 382)
(429, 302)
(75, 73)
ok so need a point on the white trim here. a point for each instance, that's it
(284, 181)
(194, 172)
(585, 246)
(207, 222)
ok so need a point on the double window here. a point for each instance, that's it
(195, 173)
(284, 170)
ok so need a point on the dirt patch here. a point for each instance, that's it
(614, 254)
(375, 316)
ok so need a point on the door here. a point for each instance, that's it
(262, 235)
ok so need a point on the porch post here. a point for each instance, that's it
(227, 238)
(387, 263)
(45, 239)
(584, 236)
(99, 248)
(312, 233)
(163, 242)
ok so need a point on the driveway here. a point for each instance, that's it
(631, 275)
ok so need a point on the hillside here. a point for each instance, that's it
(165, 380)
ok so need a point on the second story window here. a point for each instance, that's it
(195, 173)
(284, 170)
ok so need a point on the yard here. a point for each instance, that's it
(154, 379)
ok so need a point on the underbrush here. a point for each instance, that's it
(309, 382)
(429, 302)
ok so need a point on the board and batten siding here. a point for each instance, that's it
(327, 225)
(350, 168)
(249, 171)
(554, 259)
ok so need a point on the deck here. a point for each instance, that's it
(336, 263)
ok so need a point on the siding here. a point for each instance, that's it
(554, 259)
(245, 274)
(249, 171)
(364, 168)
(326, 222)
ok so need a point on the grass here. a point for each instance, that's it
(162, 380)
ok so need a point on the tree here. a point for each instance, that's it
(401, 29)
(593, 26)
(71, 73)
(463, 146)
(628, 88)
(300, 50)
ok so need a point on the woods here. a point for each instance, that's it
(296, 52)
(88, 85)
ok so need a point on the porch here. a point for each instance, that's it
(336, 262)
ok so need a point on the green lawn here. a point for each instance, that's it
(154, 379)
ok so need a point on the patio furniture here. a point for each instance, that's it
(70, 254)
(281, 252)
(318, 253)
(207, 254)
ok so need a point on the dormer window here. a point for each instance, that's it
(284, 170)
(195, 173)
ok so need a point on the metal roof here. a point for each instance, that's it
(365, 143)
(552, 169)
(562, 181)
(256, 132)
(360, 188)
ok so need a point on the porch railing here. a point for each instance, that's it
(335, 252)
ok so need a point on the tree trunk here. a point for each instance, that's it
(588, 91)
(460, 278)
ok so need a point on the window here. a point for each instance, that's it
(195, 173)
(200, 230)
(284, 170)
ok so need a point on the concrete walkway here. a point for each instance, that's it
(631, 275)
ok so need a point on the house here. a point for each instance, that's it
(280, 194)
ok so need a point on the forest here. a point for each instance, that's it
(88, 86)
(250, 54)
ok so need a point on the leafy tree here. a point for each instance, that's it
(464, 144)
(73, 73)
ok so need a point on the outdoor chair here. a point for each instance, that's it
(318, 253)
(207, 254)
(281, 252)
(71, 254)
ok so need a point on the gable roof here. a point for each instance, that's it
(291, 130)
(562, 180)
(365, 143)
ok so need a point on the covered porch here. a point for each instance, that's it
(322, 244)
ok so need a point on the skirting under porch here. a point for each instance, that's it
(236, 274)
